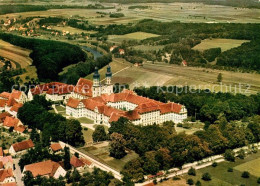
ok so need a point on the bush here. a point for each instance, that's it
(190, 181)
(229, 155)
(206, 176)
(198, 183)
(179, 125)
(176, 178)
(258, 180)
(245, 174)
(241, 154)
(192, 172)
(230, 169)
(214, 164)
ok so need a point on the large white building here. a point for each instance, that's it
(98, 103)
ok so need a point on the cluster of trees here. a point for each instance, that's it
(49, 57)
(54, 127)
(161, 148)
(205, 105)
(138, 7)
(83, 69)
(116, 15)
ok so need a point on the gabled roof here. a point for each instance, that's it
(16, 94)
(10, 121)
(86, 161)
(23, 145)
(9, 184)
(73, 103)
(45, 168)
(1, 151)
(16, 107)
(6, 174)
(6, 159)
(170, 107)
(5, 95)
(52, 88)
(3, 102)
(84, 87)
(76, 162)
(4, 115)
(56, 147)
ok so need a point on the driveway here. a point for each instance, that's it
(17, 172)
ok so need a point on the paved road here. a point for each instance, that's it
(18, 173)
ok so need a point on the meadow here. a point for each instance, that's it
(220, 175)
(224, 44)
(132, 36)
(148, 48)
(72, 30)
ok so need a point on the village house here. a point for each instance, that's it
(121, 51)
(80, 163)
(7, 162)
(112, 48)
(15, 123)
(105, 108)
(55, 147)
(6, 176)
(46, 168)
(3, 115)
(21, 147)
(184, 63)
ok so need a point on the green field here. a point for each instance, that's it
(132, 36)
(87, 134)
(220, 175)
(253, 167)
(148, 48)
(224, 44)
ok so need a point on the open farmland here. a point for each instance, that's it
(251, 166)
(171, 75)
(131, 36)
(71, 30)
(224, 44)
(148, 48)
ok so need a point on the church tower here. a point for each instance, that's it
(109, 86)
(96, 83)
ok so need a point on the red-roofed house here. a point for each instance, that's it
(80, 163)
(6, 176)
(184, 63)
(21, 147)
(55, 147)
(15, 123)
(46, 168)
(7, 162)
(1, 152)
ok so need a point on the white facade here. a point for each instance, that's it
(60, 172)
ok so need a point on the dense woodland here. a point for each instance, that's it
(49, 57)
(180, 38)
(161, 148)
(205, 105)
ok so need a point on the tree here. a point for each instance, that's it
(241, 154)
(73, 132)
(230, 169)
(117, 146)
(206, 176)
(133, 171)
(219, 78)
(151, 166)
(229, 155)
(99, 134)
(28, 178)
(75, 176)
(163, 158)
(67, 164)
(192, 172)
(198, 183)
(34, 136)
(214, 164)
(258, 180)
(190, 181)
(245, 174)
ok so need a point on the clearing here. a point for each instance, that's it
(132, 36)
(224, 44)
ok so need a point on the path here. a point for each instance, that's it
(55, 110)
(116, 72)
(17, 172)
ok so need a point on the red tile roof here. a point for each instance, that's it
(23, 145)
(9, 184)
(6, 174)
(73, 103)
(1, 151)
(16, 107)
(5, 95)
(45, 168)
(6, 159)
(56, 147)
(3, 102)
(86, 161)
(10, 121)
(75, 162)
(52, 88)
(84, 87)
(4, 115)
(170, 107)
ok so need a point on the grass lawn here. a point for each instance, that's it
(224, 44)
(87, 135)
(85, 120)
(148, 48)
(103, 154)
(220, 175)
(60, 108)
(253, 167)
(132, 36)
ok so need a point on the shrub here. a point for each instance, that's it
(192, 172)
(241, 154)
(229, 155)
(176, 178)
(230, 169)
(198, 183)
(179, 125)
(258, 180)
(206, 176)
(155, 181)
(245, 174)
(190, 181)
(214, 164)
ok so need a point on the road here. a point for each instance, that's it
(17, 172)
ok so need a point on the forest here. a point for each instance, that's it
(179, 39)
(49, 57)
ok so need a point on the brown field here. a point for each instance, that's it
(173, 75)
